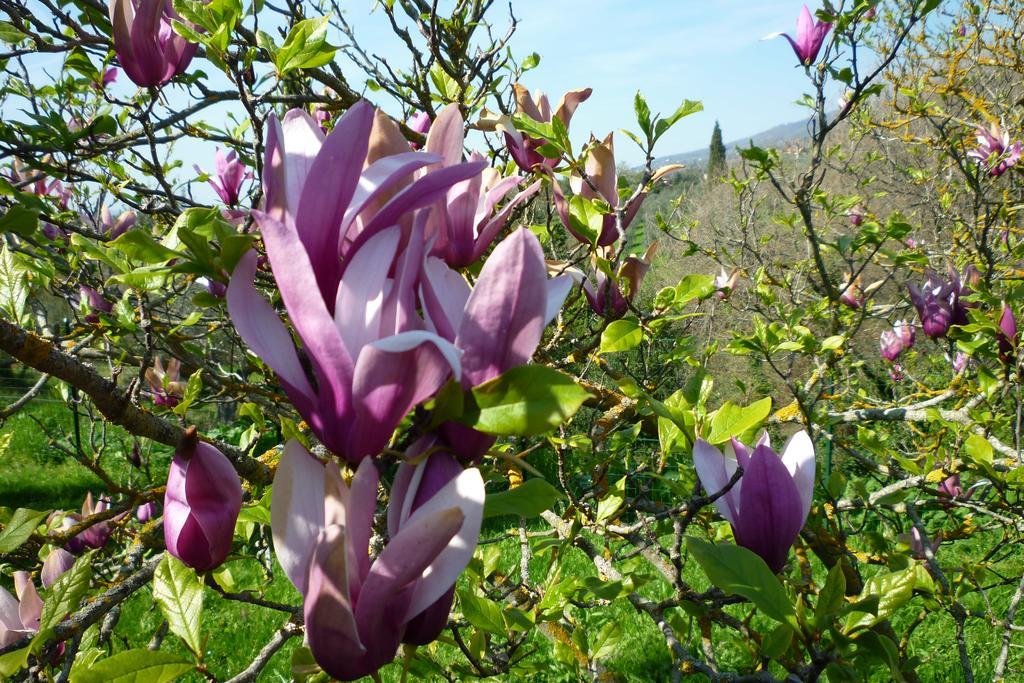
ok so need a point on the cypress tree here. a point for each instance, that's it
(716, 154)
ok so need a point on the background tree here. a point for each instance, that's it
(716, 153)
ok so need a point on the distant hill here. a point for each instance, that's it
(777, 136)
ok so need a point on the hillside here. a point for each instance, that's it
(777, 136)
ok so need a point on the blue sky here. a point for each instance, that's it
(669, 49)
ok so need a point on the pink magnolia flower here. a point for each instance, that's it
(1007, 336)
(769, 504)
(851, 293)
(201, 505)
(891, 344)
(346, 255)
(19, 616)
(810, 35)
(465, 223)
(114, 228)
(497, 324)
(56, 563)
(229, 176)
(605, 295)
(165, 386)
(725, 283)
(97, 535)
(522, 148)
(149, 50)
(994, 151)
(358, 608)
(95, 302)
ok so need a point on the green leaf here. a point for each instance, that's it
(13, 286)
(21, 525)
(621, 335)
(481, 612)
(737, 570)
(830, 599)
(178, 591)
(11, 662)
(529, 499)
(141, 246)
(891, 590)
(732, 420)
(192, 391)
(20, 221)
(607, 640)
(136, 666)
(11, 34)
(612, 501)
(694, 287)
(524, 401)
(66, 593)
(530, 61)
(978, 449)
(305, 47)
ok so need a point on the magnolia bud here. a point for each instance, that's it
(203, 499)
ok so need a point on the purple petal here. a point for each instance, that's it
(329, 187)
(258, 325)
(297, 511)
(770, 516)
(391, 376)
(505, 314)
(329, 616)
(446, 135)
(466, 492)
(798, 457)
(714, 471)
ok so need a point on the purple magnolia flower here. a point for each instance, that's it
(367, 346)
(56, 563)
(415, 486)
(421, 123)
(95, 302)
(896, 372)
(769, 504)
(115, 228)
(906, 332)
(321, 116)
(149, 50)
(497, 324)
(960, 362)
(951, 488)
(994, 151)
(915, 541)
(146, 512)
(810, 35)
(201, 505)
(231, 173)
(851, 293)
(935, 304)
(725, 283)
(357, 608)
(856, 215)
(523, 149)
(109, 77)
(1007, 335)
(465, 223)
(607, 299)
(601, 184)
(892, 345)
(164, 385)
(19, 616)
(97, 535)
